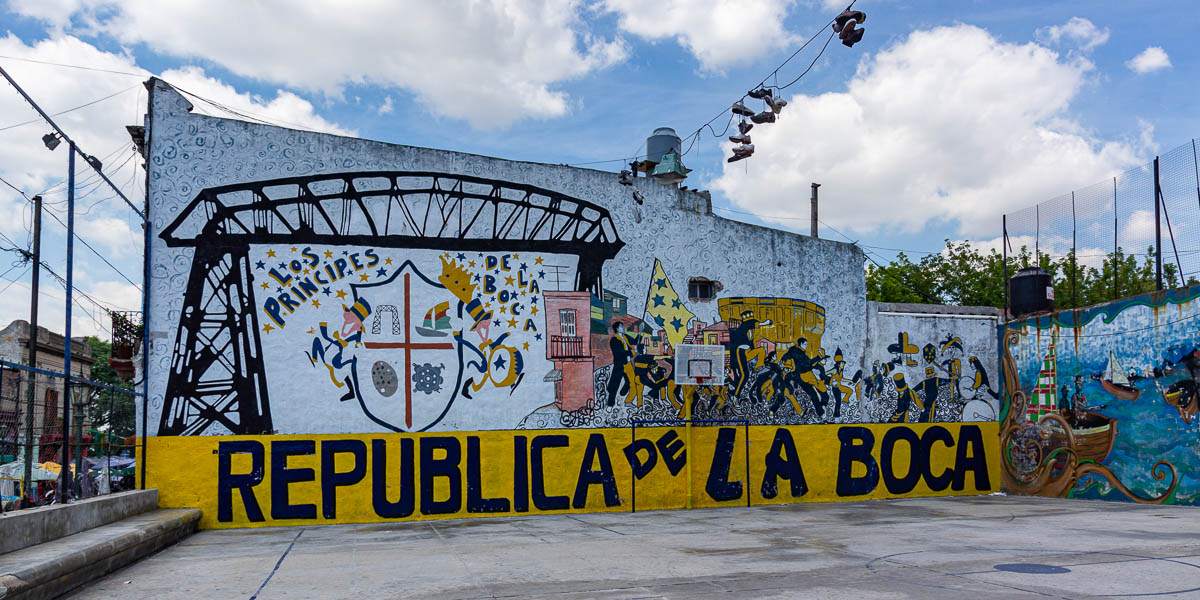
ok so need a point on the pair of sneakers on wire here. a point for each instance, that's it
(745, 149)
(844, 26)
(764, 93)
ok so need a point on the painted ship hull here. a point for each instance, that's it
(1124, 392)
(1094, 434)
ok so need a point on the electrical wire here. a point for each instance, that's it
(56, 64)
(96, 101)
(694, 136)
(98, 255)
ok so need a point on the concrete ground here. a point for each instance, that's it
(971, 547)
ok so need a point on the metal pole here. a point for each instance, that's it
(33, 327)
(1116, 294)
(74, 148)
(78, 487)
(1196, 170)
(1004, 245)
(1074, 253)
(1157, 232)
(66, 428)
(813, 216)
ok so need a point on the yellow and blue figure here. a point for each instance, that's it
(905, 397)
(325, 342)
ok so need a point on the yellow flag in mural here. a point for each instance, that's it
(664, 307)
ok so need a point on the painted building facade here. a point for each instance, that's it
(1102, 401)
(306, 285)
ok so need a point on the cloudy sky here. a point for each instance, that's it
(945, 116)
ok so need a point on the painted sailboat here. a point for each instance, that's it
(1116, 382)
(1093, 432)
(437, 321)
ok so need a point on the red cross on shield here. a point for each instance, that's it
(408, 375)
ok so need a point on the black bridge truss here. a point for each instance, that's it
(217, 373)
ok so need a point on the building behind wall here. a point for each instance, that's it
(485, 319)
(48, 398)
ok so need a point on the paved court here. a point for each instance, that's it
(976, 547)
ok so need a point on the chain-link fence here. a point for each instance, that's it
(94, 420)
(1112, 239)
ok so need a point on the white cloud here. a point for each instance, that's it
(1151, 59)
(719, 33)
(386, 107)
(490, 62)
(286, 109)
(110, 236)
(1077, 31)
(946, 125)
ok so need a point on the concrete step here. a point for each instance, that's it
(53, 568)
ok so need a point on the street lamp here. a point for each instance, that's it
(51, 141)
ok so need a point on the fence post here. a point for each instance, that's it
(1074, 254)
(1116, 294)
(1157, 232)
(1004, 246)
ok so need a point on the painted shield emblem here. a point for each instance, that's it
(409, 367)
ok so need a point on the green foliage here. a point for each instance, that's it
(964, 275)
(111, 413)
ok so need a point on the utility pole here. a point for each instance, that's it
(33, 327)
(813, 217)
(64, 477)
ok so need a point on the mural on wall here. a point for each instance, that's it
(622, 369)
(1102, 402)
(400, 293)
(931, 368)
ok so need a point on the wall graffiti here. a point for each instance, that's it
(776, 370)
(931, 367)
(1102, 402)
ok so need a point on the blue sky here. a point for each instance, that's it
(945, 116)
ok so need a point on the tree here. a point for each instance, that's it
(110, 412)
(963, 275)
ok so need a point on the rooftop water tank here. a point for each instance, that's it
(662, 141)
(1031, 291)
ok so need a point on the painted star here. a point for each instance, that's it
(512, 322)
(345, 253)
(487, 304)
(293, 248)
(533, 311)
(660, 320)
(541, 274)
(496, 272)
(660, 283)
(278, 290)
(270, 254)
(534, 301)
(537, 336)
(503, 308)
(260, 265)
(499, 362)
(537, 261)
(363, 277)
(267, 328)
(525, 346)
(516, 256)
(316, 303)
(480, 255)
(524, 267)
(387, 262)
(676, 324)
(676, 303)
(282, 265)
(328, 254)
(658, 300)
(471, 264)
(510, 280)
(476, 277)
(326, 291)
(341, 294)
(306, 271)
(381, 273)
(264, 285)
(461, 256)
